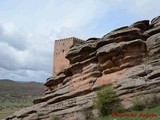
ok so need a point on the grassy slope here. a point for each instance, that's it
(7, 112)
(150, 111)
(17, 95)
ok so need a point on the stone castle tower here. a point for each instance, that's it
(61, 47)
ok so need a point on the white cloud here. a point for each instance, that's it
(69, 17)
(146, 9)
(24, 64)
(27, 33)
(74, 18)
(13, 36)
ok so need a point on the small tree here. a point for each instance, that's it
(107, 101)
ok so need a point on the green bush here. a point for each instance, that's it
(107, 102)
(54, 117)
(154, 102)
(138, 104)
(146, 103)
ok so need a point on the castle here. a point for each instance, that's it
(128, 59)
(61, 47)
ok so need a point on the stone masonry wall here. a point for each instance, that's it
(61, 47)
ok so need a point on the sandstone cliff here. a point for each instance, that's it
(128, 58)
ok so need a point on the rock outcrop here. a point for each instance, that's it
(128, 58)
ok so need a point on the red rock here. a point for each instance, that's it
(128, 58)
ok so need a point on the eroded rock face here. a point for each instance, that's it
(128, 58)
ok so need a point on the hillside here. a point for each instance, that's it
(16, 95)
(12, 91)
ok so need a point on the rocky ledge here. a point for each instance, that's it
(128, 58)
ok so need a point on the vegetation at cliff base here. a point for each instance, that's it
(111, 109)
(107, 102)
(148, 111)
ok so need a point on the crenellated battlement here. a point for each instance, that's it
(70, 38)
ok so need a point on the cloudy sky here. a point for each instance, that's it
(28, 29)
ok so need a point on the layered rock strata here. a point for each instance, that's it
(128, 58)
